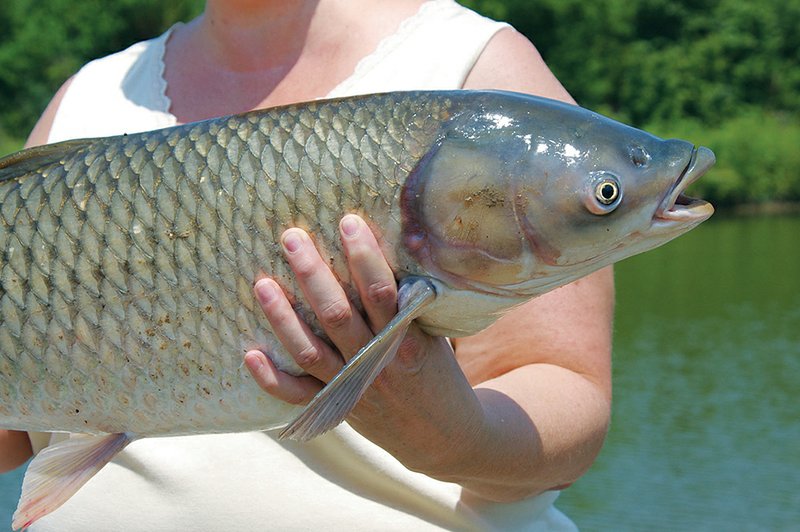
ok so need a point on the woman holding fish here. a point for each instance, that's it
(473, 433)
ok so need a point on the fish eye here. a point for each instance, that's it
(639, 156)
(604, 193)
(607, 191)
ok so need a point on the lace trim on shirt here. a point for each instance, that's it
(165, 103)
(392, 42)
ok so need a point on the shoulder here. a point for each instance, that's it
(122, 92)
(108, 96)
(511, 62)
(100, 75)
(41, 131)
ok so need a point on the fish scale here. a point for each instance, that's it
(132, 259)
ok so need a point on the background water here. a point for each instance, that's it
(706, 426)
(706, 420)
(9, 495)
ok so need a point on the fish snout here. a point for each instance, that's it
(679, 207)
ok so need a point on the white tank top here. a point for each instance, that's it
(340, 481)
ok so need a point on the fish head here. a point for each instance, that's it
(601, 191)
(525, 194)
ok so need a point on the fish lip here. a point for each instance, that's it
(677, 207)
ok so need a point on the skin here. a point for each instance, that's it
(517, 409)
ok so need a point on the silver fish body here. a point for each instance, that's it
(128, 262)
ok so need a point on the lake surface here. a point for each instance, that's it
(706, 426)
(706, 420)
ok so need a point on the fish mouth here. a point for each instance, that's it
(678, 207)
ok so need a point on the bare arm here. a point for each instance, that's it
(15, 446)
(540, 406)
(41, 131)
(559, 374)
(15, 449)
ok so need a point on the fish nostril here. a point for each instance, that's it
(639, 156)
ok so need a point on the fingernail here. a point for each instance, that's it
(253, 360)
(291, 241)
(265, 290)
(350, 225)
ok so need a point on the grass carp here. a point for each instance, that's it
(128, 262)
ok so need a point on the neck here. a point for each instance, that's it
(251, 35)
(246, 54)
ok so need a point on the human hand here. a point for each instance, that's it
(420, 406)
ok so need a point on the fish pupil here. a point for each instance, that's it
(608, 193)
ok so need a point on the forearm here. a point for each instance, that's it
(535, 428)
(15, 449)
(544, 426)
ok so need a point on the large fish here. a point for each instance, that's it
(127, 262)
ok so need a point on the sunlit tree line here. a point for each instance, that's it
(726, 70)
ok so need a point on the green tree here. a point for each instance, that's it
(656, 60)
(723, 72)
(46, 41)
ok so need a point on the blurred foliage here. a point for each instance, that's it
(657, 60)
(43, 42)
(758, 156)
(724, 73)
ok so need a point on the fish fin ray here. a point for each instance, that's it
(328, 409)
(56, 473)
(335, 401)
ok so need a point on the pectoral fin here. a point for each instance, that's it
(335, 401)
(56, 473)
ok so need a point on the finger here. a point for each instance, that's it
(307, 349)
(294, 390)
(342, 323)
(369, 270)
